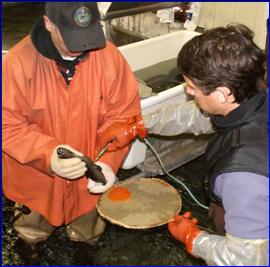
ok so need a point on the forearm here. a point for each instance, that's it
(230, 250)
(22, 139)
(115, 159)
(27, 144)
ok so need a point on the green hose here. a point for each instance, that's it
(171, 176)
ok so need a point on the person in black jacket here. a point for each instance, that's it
(224, 71)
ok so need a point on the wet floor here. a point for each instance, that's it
(117, 246)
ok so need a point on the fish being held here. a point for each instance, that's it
(93, 171)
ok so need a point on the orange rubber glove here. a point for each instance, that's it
(184, 229)
(120, 134)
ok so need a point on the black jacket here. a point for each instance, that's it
(240, 143)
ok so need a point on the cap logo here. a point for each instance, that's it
(82, 16)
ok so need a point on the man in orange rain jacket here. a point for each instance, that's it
(62, 87)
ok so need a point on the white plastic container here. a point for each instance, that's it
(145, 54)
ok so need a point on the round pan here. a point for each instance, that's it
(140, 203)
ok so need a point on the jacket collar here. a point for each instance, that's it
(239, 115)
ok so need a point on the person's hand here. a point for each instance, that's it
(184, 229)
(120, 134)
(71, 168)
(108, 173)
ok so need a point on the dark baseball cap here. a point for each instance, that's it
(78, 23)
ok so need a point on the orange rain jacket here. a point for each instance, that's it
(40, 112)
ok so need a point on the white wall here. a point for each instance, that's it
(252, 14)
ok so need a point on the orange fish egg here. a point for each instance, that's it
(119, 193)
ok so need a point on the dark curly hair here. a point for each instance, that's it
(224, 56)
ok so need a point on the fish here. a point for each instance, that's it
(94, 172)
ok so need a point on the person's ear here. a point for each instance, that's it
(48, 23)
(223, 94)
